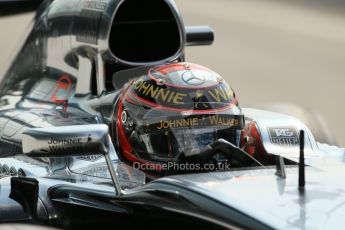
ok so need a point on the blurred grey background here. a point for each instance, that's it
(270, 51)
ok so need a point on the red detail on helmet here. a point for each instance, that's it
(254, 145)
(174, 67)
(124, 145)
(179, 67)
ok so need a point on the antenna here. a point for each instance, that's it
(301, 168)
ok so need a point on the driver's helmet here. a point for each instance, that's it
(175, 110)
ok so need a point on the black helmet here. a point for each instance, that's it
(172, 110)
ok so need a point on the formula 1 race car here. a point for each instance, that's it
(104, 124)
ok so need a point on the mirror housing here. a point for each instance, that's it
(78, 140)
(199, 35)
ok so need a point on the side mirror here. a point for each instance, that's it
(199, 35)
(66, 141)
(78, 140)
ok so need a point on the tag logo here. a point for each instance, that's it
(284, 136)
(283, 132)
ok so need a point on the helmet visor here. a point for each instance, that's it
(166, 139)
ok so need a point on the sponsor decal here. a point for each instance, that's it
(163, 95)
(199, 100)
(57, 144)
(95, 5)
(149, 89)
(284, 136)
(87, 26)
(61, 144)
(228, 121)
(97, 171)
(64, 141)
(89, 158)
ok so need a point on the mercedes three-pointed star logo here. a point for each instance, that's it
(192, 79)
